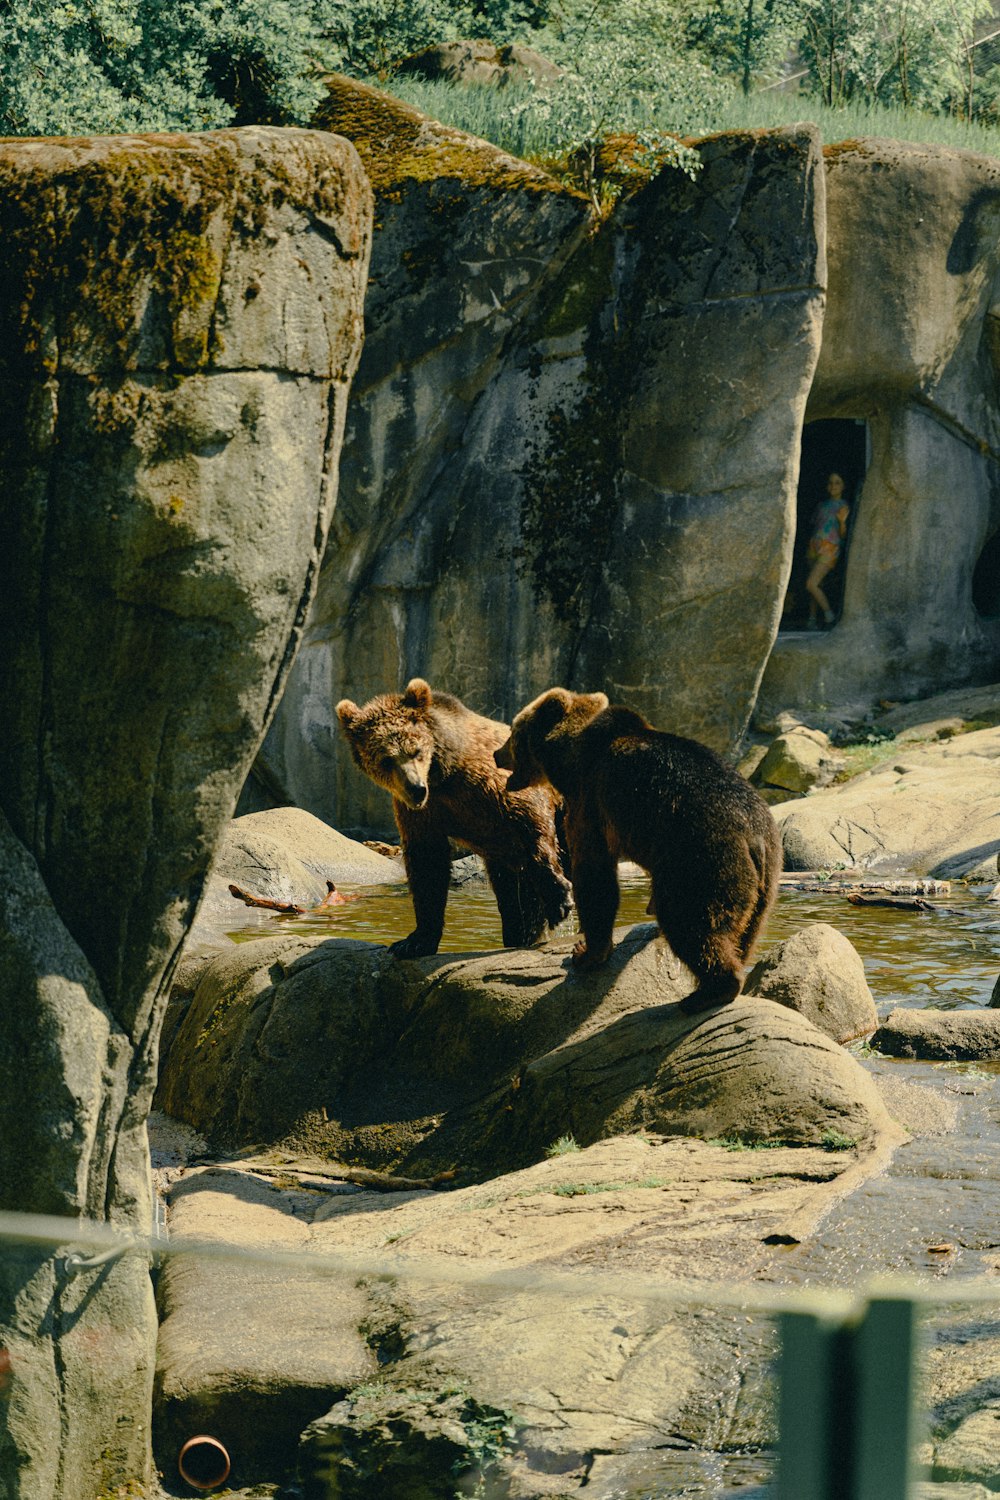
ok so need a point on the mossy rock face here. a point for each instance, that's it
(571, 454)
(179, 321)
(146, 252)
(399, 145)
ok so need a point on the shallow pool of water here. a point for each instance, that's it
(948, 957)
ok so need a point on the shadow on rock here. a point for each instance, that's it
(478, 1063)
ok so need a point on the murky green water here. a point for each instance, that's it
(949, 957)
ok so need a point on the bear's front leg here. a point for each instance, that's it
(522, 915)
(595, 890)
(427, 856)
(556, 891)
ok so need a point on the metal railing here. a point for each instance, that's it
(847, 1415)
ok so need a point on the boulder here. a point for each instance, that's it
(910, 347)
(510, 1348)
(940, 1034)
(933, 813)
(979, 705)
(180, 320)
(969, 1453)
(481, 63)
(250, 1352)
(479, 1062)
(282, 854)
(819, 973)
(520, 356)
(798, 761)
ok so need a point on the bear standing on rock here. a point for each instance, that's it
(435, 757)
(671, 805)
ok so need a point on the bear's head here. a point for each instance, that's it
(392, 740)
(541, 732)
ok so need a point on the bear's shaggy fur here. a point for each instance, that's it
(435, 757)
(671, 805)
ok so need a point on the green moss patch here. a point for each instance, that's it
(399, 145)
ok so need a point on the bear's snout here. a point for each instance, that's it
(503, 757)
(412, 789)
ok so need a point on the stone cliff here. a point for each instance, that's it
(180, 317)
(573, 447)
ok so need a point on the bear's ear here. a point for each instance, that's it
(549, 710)
(347, 712)
(596, 701)
(417, 694)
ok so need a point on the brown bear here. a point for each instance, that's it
(435, 757)
(674, 807)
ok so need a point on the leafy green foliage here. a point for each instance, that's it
(564, 1146)
(640, 72)
(836, 1140)
(111, 66)
(746, 38)
(369, 38)
(917, 53)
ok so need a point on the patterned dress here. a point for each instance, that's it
(826, 540)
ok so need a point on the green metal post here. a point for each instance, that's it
(811, 1370)
(885, 1426)
(846, 1405)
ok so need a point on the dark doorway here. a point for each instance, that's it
(986, 579)
(838, 446)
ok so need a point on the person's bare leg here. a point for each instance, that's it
(816, 595)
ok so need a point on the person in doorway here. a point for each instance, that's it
(829, 529)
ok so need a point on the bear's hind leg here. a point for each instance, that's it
(701, 936)
(765, 854)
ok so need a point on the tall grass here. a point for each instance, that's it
(489, 113)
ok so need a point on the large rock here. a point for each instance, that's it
(980, 706)
(526, 478)
(480, 1062)
(510, 1347)
(910, 346)
(250, 1353)
(283, 854)
(819, 973)
(482, 63)
(931, 811)
(797, 761)
(963, 1035)
(180, 320)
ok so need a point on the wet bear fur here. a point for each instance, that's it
(435, 757)
(673, 806)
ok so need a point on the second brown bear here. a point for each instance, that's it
(674, 807)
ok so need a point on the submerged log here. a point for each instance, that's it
(813, 881)
(898, 903)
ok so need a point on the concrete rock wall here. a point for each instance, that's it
(179, 321)
(573, 450)
(572, 447)
(908, 345)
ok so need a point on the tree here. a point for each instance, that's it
(629, 83)
(913, 53)
(108, 66)
(746, 37)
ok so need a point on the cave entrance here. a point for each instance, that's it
(833, 446)
(986, 580)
